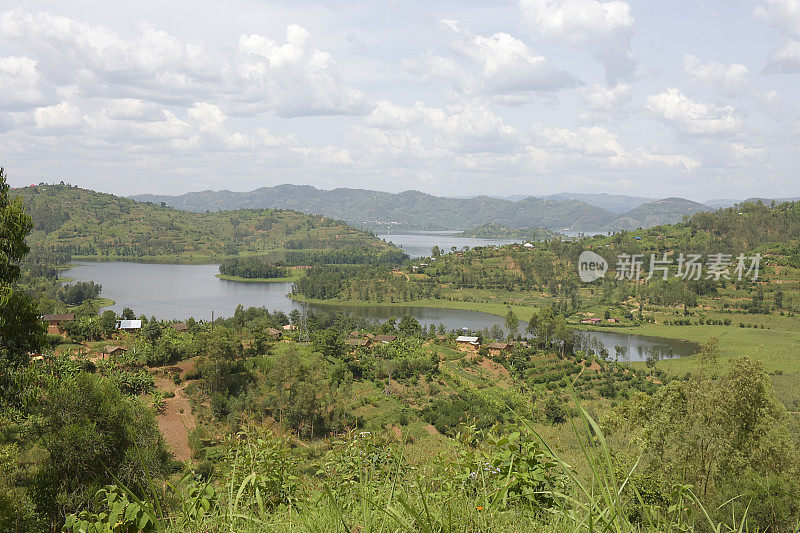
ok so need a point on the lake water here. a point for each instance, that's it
(182, 291)
(419, 244)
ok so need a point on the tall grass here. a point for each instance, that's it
(404, 500)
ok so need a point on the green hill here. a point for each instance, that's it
(411, 210)
(657, 213)
(81, 222)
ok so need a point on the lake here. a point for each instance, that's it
(419, 244)
(181, 291)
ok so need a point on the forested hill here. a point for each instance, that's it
(82, 222)
(744, 227)
(419, 211)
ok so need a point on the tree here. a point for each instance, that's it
(512, 324)
(408, 325)
(709, 352)
(128, 314)
(90, 430)
(151, 332)
(108, 322)
(21, 330)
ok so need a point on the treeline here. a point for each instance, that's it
(251, 268)
(79, 292)
(347, 256)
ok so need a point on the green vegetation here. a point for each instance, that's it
(84, 223)
(496, 231)
(412, 210)
(330, 422)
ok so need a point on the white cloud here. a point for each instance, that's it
(296, 78)
(784, 15)
(728, 78)
(787, 57)
(290, 79)
(57, 117)
(20, 82)
(600, 98)
(598, 143)
(605, 28)
(507, 66)
(695, 118)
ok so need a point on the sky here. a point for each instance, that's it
(697, 99)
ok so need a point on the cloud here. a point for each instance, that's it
(731, 79)
(290, 79)
(786, 58)
(457, 124)
(784, 15)
(597, 143)
(296, 78)
(507, 66)
(498, 65)
(605, 28)
(692, 117)
(62, 116)
(20, 82)
(600, 98)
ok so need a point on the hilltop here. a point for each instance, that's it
(656, 213)
(82, 222)
(413, 210)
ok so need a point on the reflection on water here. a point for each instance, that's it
(181, 291)
(625, 347)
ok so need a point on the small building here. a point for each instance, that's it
(274, 333)
(613, 320)
(384, 339)
(468, 344)
(289, 327)
(496, 348)
(54, 322)
(593, 320)
(130, 325)
(114, 351)
(358, 343)
(180, 326)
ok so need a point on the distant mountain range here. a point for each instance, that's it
(412, 210)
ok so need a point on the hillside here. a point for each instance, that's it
(408, 210)
(616, 203)
(81, 222)
(666, 211)
(413, 210)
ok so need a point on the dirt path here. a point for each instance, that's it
(177, 419)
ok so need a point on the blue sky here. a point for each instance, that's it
(688, 99)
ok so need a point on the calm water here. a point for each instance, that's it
(181, 291)
(636, 347)
(419, 244)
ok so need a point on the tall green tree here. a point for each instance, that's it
(21, 330)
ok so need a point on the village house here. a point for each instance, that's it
(114, 351)
(180, 326)
(467, 344)
(54, 322)
(274, 333)
(384, 339)
(289, 327)
(593, 320)
(130, 326)
(357, 343)
(496, 348)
